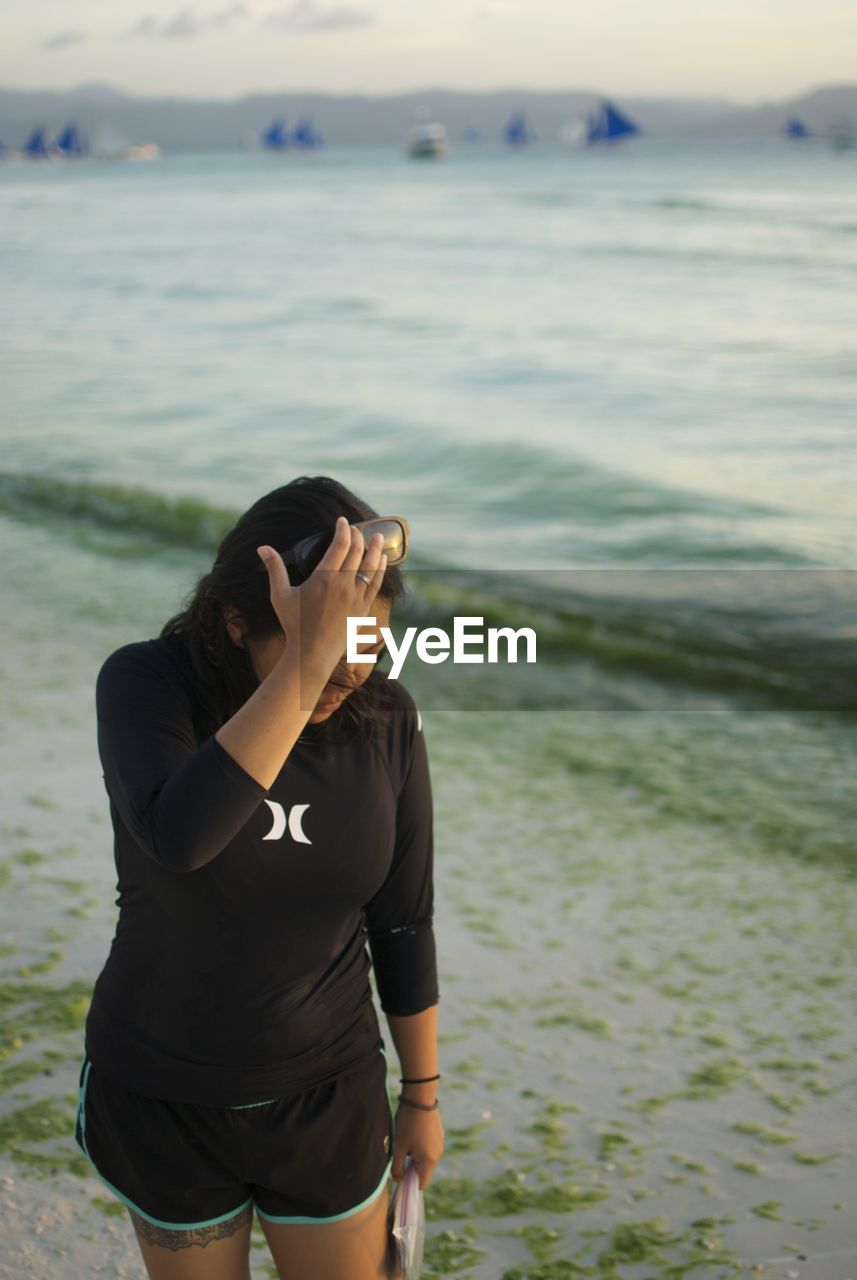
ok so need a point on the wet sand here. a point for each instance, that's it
(647, 1025)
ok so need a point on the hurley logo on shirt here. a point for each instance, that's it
(292, 821)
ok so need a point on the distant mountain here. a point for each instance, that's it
(184, 124)
(820, 109)
(97, 94)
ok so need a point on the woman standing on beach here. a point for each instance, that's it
(272, 812)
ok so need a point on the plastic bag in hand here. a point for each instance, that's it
(408, 1224)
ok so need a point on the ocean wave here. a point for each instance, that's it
(588, 510)
(182, 522)
(771, 637)
(548, 199)
(578, 507)
(686, 202)
(756, 257)
(766, 639)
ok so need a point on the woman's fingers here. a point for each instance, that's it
(372, 558)
(425, 1169)
(374, 586)
(423, 1164)
(277, 575)
(348, 549)
(355, 553)
(340, 544)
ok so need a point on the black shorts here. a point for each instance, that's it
(315, 1156)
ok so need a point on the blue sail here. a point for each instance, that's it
(276, 136)
(517, 132)
(795, 128)
(71, 141)
(37, 145)
(607, 124)
(305, 136)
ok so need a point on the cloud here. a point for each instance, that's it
(185, 24)
(310, 15)
(145, 27)
(182, 26)
(63, 39)
(231, 13)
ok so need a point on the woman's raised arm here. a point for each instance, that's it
(184, 802)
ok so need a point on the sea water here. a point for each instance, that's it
(613, 393)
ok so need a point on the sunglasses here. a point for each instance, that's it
(305, 555)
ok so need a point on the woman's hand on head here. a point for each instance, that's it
(313, 615)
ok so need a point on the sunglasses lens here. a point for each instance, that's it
(394, 537)
(308, 551)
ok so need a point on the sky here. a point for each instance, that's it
(747, 50)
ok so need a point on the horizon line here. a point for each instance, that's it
(427, 89)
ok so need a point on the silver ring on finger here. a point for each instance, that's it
(365, 578)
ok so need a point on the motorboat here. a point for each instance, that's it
(427, 140)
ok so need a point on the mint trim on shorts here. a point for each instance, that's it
(80, 1115)
(157, 1222)
(337, 1217)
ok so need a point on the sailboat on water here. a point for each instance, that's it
(276, 136)
(796, 129)
(305, 136)
(605, 123)
(103, 143)
(37, 146)
(517, 132)
(72, 142)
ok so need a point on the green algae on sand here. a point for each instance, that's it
(769, 1209)
(110, 1208)
(806, 1157)
(39, 1008)
(715, 1077)
(763, 1132)
(26, 1132)
(18, 1073)
(448, 1252)
(541, 1241)
(560, 1269)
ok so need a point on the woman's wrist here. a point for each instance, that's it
(420, 1092)
(410, 1105)
(308, 668)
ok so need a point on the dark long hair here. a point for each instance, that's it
(223, 671)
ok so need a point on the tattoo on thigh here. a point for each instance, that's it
(167, 1238)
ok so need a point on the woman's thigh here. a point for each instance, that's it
(219, 1252)
(354, 1248)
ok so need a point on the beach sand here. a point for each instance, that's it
(647, 961)
(644, 1041)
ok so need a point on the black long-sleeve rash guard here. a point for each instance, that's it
(239, 968)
